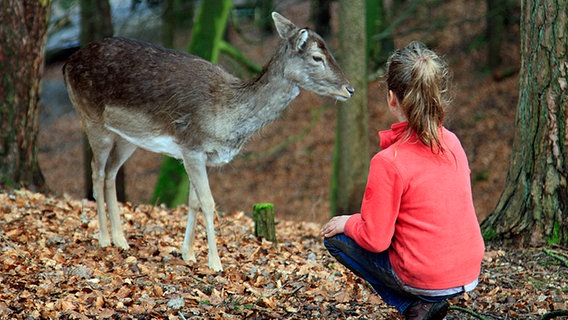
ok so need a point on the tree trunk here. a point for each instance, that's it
(263, 216)
(265, 8)
(533, 208)
(96, 24)
(168, 23)
(378, 50)
(176, 15)
(351, 154)
(23, 27)
(495, 25)
(172, 186)
(321, 15)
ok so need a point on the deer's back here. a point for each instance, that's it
(133, 74)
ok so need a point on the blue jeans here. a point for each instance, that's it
(376, 269)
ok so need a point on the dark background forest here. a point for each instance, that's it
(296, 178)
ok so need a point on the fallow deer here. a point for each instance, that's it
(132, 94)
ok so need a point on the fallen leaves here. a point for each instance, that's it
(51, 267)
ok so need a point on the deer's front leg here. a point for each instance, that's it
(114, 213)
(99, 195)
(101, 150)
(187, 248)
(197, 172)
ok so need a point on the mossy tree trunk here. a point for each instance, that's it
(533, 209)
(172, 186)
(263, 216)
(378, 50)
(351, 153)
(23, 28)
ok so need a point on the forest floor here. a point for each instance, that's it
(51, 266)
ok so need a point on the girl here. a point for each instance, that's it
(417, 239)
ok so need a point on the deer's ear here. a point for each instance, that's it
(301, 40)
(284, 26)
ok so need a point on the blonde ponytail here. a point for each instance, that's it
(420, 79)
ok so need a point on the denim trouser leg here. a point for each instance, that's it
(375, 268)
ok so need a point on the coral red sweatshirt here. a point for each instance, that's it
(419, 207)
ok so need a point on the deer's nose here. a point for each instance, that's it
(351, 90)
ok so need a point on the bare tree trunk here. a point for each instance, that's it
(176, 15)
(495, 24)
(321, 15)
(168, 23)
(533, 208)
(23, 27)
(351, 155)
(96, 24)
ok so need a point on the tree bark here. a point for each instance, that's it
(495, 25)
(176, 15)
(378, 50)
(172, 186)
(96, 24)
(263, 216)
(321, 15)
(533, 209)
(351, 154)
(23, 28)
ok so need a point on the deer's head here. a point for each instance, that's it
(309, 62)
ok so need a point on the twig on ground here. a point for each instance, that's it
(554, 314)
(470, 312)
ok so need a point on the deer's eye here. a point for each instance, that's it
(317, 58)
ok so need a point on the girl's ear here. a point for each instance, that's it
(392, 99)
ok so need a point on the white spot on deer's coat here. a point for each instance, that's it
(159, 144)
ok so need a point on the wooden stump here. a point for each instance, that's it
(263, 216)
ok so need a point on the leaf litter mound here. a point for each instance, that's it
(51, 267)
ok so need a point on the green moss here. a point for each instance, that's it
(489, 234)
(262, 206)
(555, 236)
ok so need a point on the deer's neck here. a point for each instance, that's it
(266, 97)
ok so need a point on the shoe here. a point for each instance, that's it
(427, 311)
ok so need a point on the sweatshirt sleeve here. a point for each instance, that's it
(373, 228)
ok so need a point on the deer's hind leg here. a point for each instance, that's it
(121, 151)
(101, 143)
(187, 252)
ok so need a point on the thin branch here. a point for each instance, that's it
(554, 314)
(470, 312)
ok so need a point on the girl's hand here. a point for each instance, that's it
(334, 226)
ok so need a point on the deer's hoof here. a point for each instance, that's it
(104, 241)
(215, 264)
(121, 243)
(188, 257)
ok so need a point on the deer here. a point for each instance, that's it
(131, 94)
